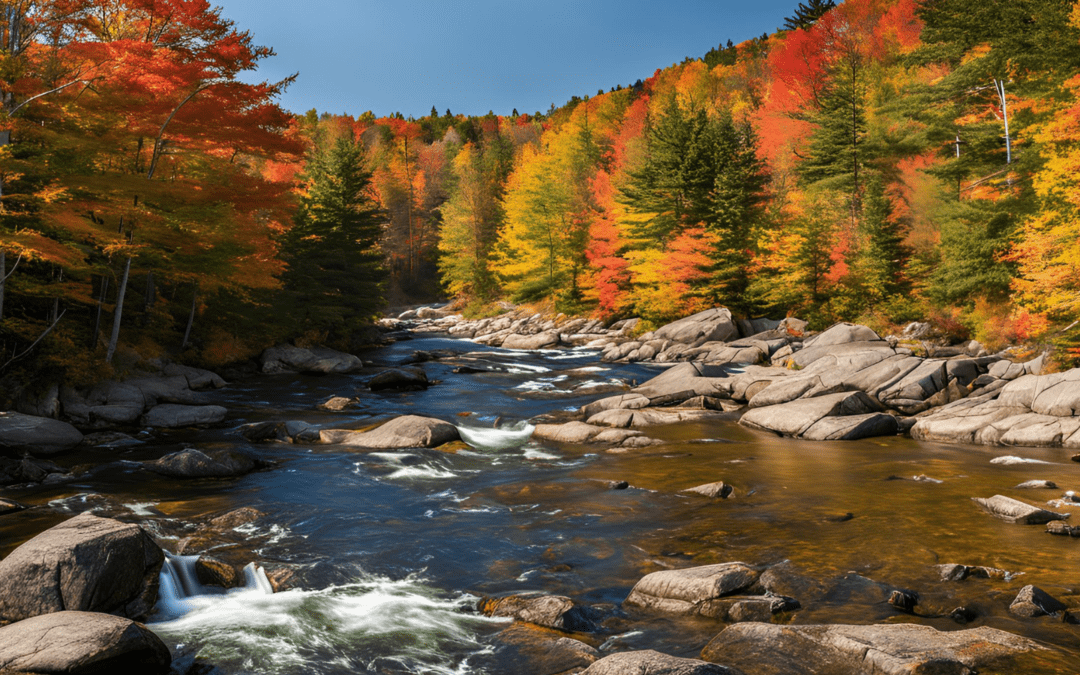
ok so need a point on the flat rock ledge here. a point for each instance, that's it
(886, 649)
(408, 431)
(1016, 511)
(75, 642)
(649, 662)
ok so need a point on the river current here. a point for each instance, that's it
(390, 550)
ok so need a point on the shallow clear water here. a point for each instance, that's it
(391, 548)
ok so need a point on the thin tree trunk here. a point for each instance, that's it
(999, 86)
(118, 312)
(159, 141)
(97, 317)
(16, 357)
(191, 316)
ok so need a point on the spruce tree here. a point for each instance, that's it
(880, 262)
(335, 266)
(806, 15)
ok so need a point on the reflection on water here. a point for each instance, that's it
(389, 548)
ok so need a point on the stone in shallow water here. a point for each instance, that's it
(550, 611)
(718, 489)
(649, 662)
(886, 649)
(1037, 485)
(1032, 601)
(1016, 511)
(690, 590)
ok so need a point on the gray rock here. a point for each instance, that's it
(77, 643)
(538, 341)
(192, 463)
(811, 354)
(692, 590)
(652, 417)
(86, 564)
(408, 431)
(197, 378)
(1060, 528)
(523, 648)
(571, 432)
(954, 572)
(852, 427)
(36, 435)
(887, 649)
(173, 415)
(797, 417)
(761, 608)
(399, 379)
(1037, 485)
(321, 360)
(1016, 511)
(1032, 601)
(718, 489)
(649, 662)
(842, 333)
(550, 611)
(712, 325)
(621, 402)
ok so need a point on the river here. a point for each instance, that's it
(391, 549)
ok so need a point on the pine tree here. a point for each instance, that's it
(335, 265)
(880, 262)
(806, 15)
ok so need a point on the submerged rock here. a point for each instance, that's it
(1061, 528)
(954, 572)
(192, 463)
(173, 415)
(523, 648)
(692, 590)
(399, 379)
(649, 662)
(77, 643)
(409, 431)
(887, 649)
(718, 489)
(86, 563)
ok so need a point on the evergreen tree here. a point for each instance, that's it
(880, 261)
(335, 266)
(806, 15)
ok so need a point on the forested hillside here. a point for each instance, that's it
(882, 161)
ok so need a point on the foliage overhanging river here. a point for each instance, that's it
(391, 549)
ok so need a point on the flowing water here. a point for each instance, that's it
(391, 549)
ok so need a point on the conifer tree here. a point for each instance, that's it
(880, 262)
(806, 15)
(335, 266)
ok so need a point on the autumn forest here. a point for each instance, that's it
(878, 161)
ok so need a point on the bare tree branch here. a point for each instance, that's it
(35, 344)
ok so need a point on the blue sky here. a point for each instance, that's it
(472, 56)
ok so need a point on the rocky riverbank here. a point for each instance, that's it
(95, 578)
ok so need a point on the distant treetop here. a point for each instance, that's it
(807, 14)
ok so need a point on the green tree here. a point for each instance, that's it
(806, 15)
(880, 262)
(335, 266)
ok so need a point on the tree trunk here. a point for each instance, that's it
(999, 86)
(97, 317)
(149, 296)
(118, 312)
(191, 316)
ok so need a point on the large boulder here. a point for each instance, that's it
(197, 378)
(1057, 394)
(1032, 601)
(570, 432)
(318, 360)
(842, 333)
(174, 415)
(798, 418)
(192, 463)
(76, 643)
(87, 564)
(538, 341)
(649, 662)
(409, 431)
(887, 649)
(693, 590)
(712, 325)
(36, 435)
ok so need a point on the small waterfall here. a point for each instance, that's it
(180, 591)
(497, 439)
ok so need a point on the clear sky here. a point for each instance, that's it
(472, 56)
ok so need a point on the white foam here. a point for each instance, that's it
(299, 630)
(142, 508)
(500, 438)
(537, 453)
